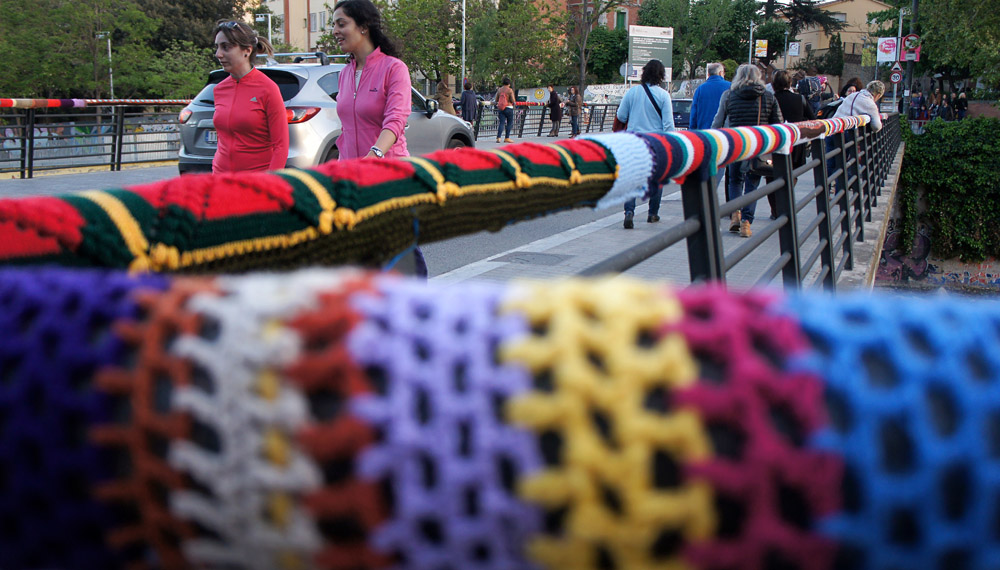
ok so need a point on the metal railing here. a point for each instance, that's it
(33, 140)
(532, 120)
(848, 171)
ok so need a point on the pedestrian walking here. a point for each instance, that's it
(469, 103)
(647, 109)
(745, 104)
(705, 103)
(249, 112)
(374, 98)
(505, 110)
(794, 108)
(961, 106)
(574, 103)
(555, 111)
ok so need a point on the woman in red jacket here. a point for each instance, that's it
(249, 114)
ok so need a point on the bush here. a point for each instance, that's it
(730, 66)
(952, 166)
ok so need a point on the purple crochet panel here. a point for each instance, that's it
(444, 450)
(55, 333)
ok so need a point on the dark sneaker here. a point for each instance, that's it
(652, 219)
(628, 222)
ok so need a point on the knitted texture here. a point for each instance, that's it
(612, 487)
(913, 390)
(365, 212)
(251, 473)
(769, 489)
(450, 460)
(55, 333)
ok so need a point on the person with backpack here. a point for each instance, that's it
(746, 104)
(812, 89)
(647, 109)
(505, 110)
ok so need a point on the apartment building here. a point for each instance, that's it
(303, 21)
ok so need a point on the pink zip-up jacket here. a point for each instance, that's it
(381, 101)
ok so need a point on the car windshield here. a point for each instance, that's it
(682, 105)
(288, 83)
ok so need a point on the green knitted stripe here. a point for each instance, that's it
(101, 239)
(212, 233)
(143, 212)
(606, 166)
(177, 226)
(462, 177)
(349, 195)
(305, 203)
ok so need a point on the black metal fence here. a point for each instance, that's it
(848, 170)
(533, 121)
(33, 140)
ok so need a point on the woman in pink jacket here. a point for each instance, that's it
(374, 98)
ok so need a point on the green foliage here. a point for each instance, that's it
(830, 63)
(609, 51)
(188, 20)
(953, 167)
(578, 26)
(732, 41)
(963, 34)
(517, 39)
(428, 28)
(731, 67)
(697, 25)
(181, 72)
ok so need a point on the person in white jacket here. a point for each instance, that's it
(864, 102)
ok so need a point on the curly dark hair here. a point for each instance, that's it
(653, 73)
(367, 16)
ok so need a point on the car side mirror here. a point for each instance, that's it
(432, 107)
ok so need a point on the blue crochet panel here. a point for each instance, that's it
(913, 394)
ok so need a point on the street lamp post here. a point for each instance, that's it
(899, 51)
(463, 42)
(750, 55)
(111, 74)
(261, 18)
(786, 49)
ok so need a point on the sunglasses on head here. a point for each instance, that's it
(230, 25)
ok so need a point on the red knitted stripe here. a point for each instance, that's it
(47, 217)
(16, 241)
(536, 153)
(696, 143)
(326, 372)
(467, 158)
(759, 417)
(367, 172)
(221, 196)
(588, 150)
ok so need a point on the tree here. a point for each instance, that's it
(803, 14)
(581, 23)
(963, 34)
(189, 20)
(431, 29)
(609, 50)
(696, 25)
(180, 73)
(518, 39)
(830, 63)
(276, 20)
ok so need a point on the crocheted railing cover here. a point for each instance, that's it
(363, 211)
(345, 420)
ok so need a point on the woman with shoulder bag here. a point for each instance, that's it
(745, 104)
(794, 108)
(646, 108)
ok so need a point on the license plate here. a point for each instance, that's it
(211, 137)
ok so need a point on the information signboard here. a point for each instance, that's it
(646, 43)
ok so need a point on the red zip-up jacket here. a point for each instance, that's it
(252, 124)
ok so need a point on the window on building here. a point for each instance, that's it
(322, 20)
(621, 20)
(809, 47)
(839, 16)
(312, 22)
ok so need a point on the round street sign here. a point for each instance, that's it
(910, 42)
(896, 77)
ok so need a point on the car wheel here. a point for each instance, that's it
(332, 154)
(456, 142)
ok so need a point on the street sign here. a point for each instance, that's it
(886, 50)
(897, 67)
(646, 43)
(910, 42)
(793, 49)
(896, 76)
(760, 48)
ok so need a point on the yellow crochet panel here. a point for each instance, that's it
(603, 375)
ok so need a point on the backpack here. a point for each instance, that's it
(827, 111)
(812, 89)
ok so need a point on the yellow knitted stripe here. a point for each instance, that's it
(588, 340)
(200, 256)
(326, 202)
(127, 226)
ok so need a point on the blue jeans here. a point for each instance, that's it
(574, 125)
(505, 118)
(655, 194)
(741, 183)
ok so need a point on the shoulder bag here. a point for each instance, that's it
(763, 165)
(622, 125)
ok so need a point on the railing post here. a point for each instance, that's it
(30, 137)
(706, 257)
(520, 120)
(541, 122)
(821, 179)
(855, 190)
(479, 119)
(788, 233)
(866, 183)
(119, 114)
(23, 159)
(839, 162)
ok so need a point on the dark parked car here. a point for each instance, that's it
(682, 113)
